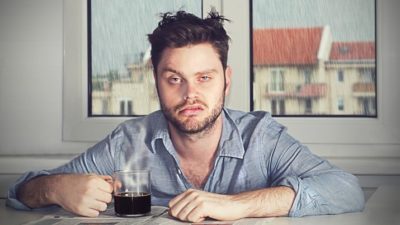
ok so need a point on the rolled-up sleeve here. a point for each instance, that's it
(320, 187)
(98, 159)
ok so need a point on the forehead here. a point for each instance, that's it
(190, 57)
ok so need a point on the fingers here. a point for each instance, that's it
(99, 206)
(104, 189)
(86, 195)
(189, 206)
(105, 183)
(104, 197)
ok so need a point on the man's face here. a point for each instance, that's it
(192, 86)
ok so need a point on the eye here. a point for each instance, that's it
(205, 78)
(174, 80)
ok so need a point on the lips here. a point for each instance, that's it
(190, 110)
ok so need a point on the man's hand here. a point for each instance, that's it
(86, 195)
(82, 194)
(195, 205)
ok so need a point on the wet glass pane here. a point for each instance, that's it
(314, 57)
(120, 75)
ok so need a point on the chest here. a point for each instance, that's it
(196, 173)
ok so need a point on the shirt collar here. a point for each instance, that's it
(230, 144)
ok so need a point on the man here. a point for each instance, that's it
(206, 161)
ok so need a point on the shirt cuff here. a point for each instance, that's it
(295, 184)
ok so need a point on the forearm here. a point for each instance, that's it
(268, 202)
(38, 192)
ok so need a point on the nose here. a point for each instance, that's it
(190, 91)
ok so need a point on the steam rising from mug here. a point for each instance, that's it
(133, 155)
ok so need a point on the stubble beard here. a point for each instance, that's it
(190, 126)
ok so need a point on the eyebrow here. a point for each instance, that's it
(168, 69)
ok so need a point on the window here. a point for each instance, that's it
(119, 54)
(340, 104)
(125, 107)
(307, 76)
(368, 106)
(340, 75)
(308, 103)
(277, 107)
(323, 135)
(367, 75)
(306, 37)
(277, 80)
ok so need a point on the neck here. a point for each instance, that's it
(199, 146)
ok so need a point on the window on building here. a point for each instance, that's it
(125, 107)
(307, 76)
(367, 75)
(340, 75)
(340, 104)
(306, 37)
(277, 80)
(308, 107)
(119, 53)
(368, 106)
(278, 107)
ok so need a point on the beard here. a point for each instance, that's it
(190, 125)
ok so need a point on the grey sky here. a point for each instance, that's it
(350, 20)
(119, 27)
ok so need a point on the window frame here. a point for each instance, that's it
(341, 135)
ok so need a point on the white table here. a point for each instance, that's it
(383, 208)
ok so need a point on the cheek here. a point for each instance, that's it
(168, 96)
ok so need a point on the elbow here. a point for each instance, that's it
(358, 200)
(354, 196)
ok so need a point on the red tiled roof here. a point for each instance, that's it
(287, 46)
(352, 51)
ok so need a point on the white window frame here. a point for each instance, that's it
(340, 136)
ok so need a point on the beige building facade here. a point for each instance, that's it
(302, 71)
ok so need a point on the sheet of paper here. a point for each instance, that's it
(158, 216)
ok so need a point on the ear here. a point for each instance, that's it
(228, 75)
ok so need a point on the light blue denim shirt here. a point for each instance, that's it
(254, 152)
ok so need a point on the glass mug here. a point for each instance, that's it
(132, 194)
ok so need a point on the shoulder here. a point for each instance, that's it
(260, 121)
(142, 125)
(259, 127)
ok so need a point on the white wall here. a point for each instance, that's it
(31, 56)
(31, 81)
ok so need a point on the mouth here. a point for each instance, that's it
(190, 110)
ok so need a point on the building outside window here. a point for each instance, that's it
(339, 53)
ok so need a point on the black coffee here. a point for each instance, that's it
(132, 204)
